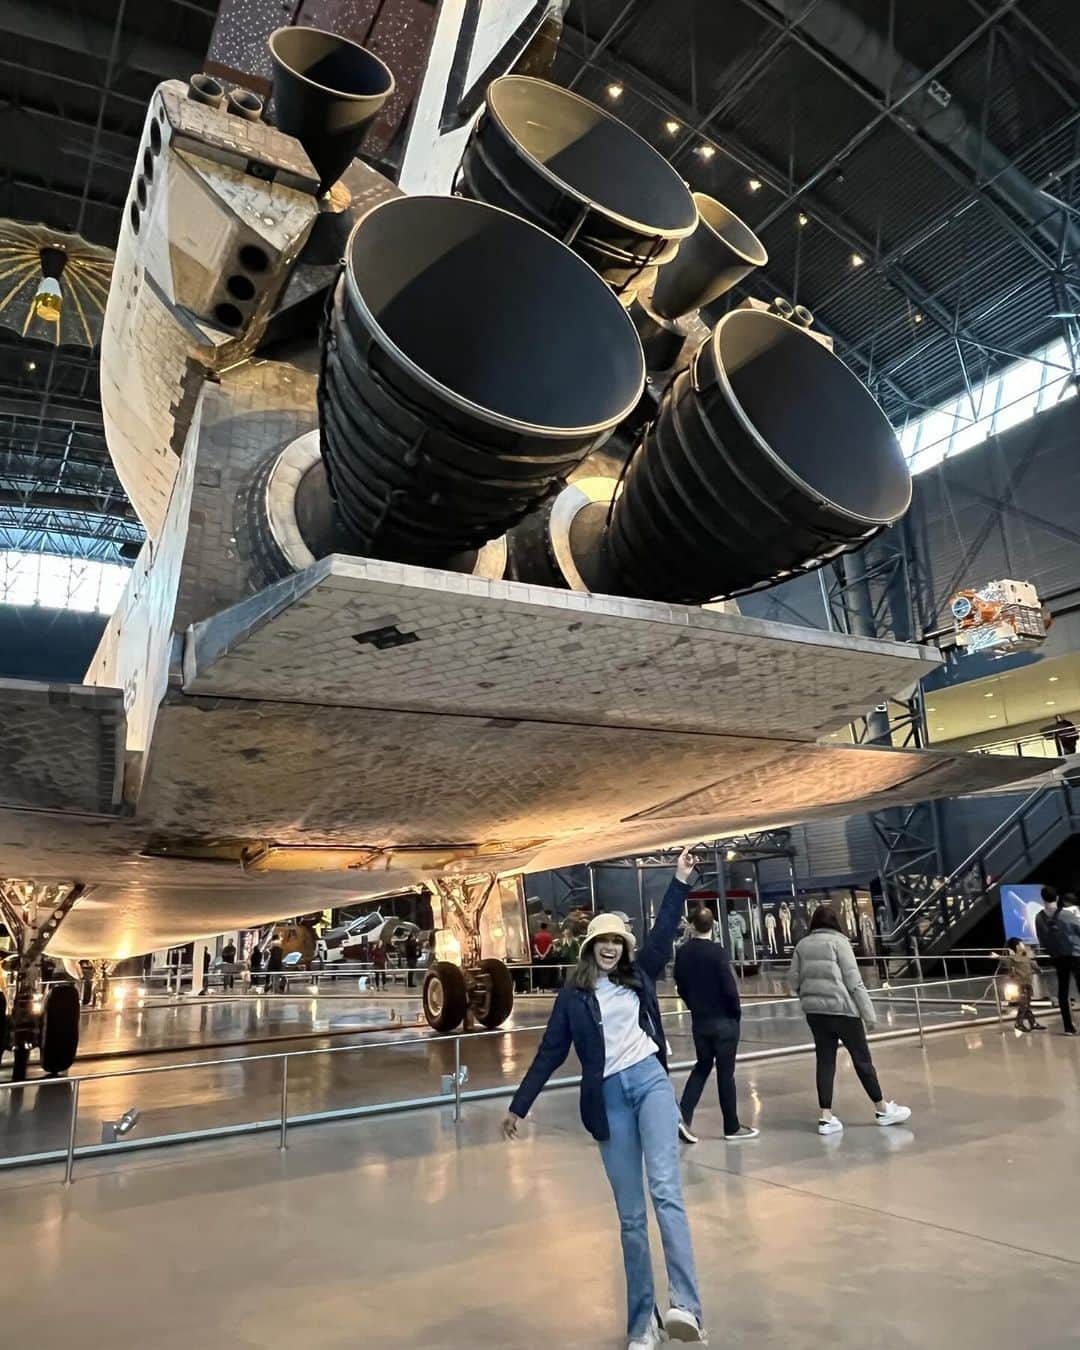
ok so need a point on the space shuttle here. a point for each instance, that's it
(449, 484)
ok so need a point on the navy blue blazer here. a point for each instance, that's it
(575, 1021)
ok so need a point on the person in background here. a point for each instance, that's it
(255, 964)
(275, 963)
(1058, 931)
(825, 976)
(205, 971)
(706, 985)
(609, 1013)
(541, 950)
(1020, 965)
(378, 964)
(228, 965)
(412, 958)
(1063, 733)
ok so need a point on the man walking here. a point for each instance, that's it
(706, 985)
(1058, 931)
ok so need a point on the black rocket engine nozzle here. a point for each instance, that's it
(470, 363)
(721, 251)
(571, 168)
(767, 457)
(326, 92)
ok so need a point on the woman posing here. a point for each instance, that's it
(610, 1014)
(825, 975)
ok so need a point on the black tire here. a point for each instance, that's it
(445, 996)
(60, 1029)
(20, 1062)
(499, 999)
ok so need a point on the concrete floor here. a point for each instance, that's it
(407, 1231)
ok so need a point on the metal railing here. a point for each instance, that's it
(917, 994)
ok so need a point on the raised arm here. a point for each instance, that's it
(554, 1047)
(853, 980)
(658, 946)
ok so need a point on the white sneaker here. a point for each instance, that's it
(833, 1126)
(743, 1132)
(655, 1335)
(684, 1326)
(893, 1114)
(686, 1134)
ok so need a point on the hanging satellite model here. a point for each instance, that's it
(1001, 617)
(53, 286)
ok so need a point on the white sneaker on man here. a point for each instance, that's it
(684, 1326)
(893, 1114)
(686, 1134)
(832, 1126)
(654, 1335)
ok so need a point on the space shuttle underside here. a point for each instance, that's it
(437, 491)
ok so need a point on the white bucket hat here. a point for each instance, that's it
(609, 925)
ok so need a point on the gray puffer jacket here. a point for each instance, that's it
(825, 975)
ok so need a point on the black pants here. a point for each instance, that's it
(830, 1031)
(716, 1042)
(1067, 967)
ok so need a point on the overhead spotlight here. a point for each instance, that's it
(931, 710)
(731, 855)
(1051, 702)
(754, 184)
(857, 260)
(939, 728)
(802, 220)
(31, 365)
(992, 717)
(671, 127)
(1053, 679)
(988, 696)
(614, 91)
(706, 151)
(918, 316)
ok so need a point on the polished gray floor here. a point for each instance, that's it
(959, 1231)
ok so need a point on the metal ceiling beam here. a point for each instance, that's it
(840, 40)
(55, 409)
(615, 28)
(82, 503)
(59, 27)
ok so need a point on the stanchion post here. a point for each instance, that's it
(69, 1166)
(282, 1142)
(457, 1079)
(918, 1014)
(997, 996)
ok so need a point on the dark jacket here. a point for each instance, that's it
(705, 983)
(575, 1021)
(1058, 936)
(276, 958)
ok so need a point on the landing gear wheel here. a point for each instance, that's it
(20, 1062)
(498, 999)
(445, 996)
(60, 1029)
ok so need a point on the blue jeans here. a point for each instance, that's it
(643, 1121)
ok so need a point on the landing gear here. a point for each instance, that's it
(446, 999)
(480, 990)
(32, 913)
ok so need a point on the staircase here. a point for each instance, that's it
(1040, 824)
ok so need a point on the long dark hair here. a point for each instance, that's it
(825, 917)
(586, 972)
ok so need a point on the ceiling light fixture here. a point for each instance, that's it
(31, 365)
(1054, 679)
(939, 728)
(857, 260)
(1051, 702)
(671, 127)
(992, 716)
(988, 696)
(614, 91)
(754, 184)
(918, 316)
(706, 151)
(803, 220)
